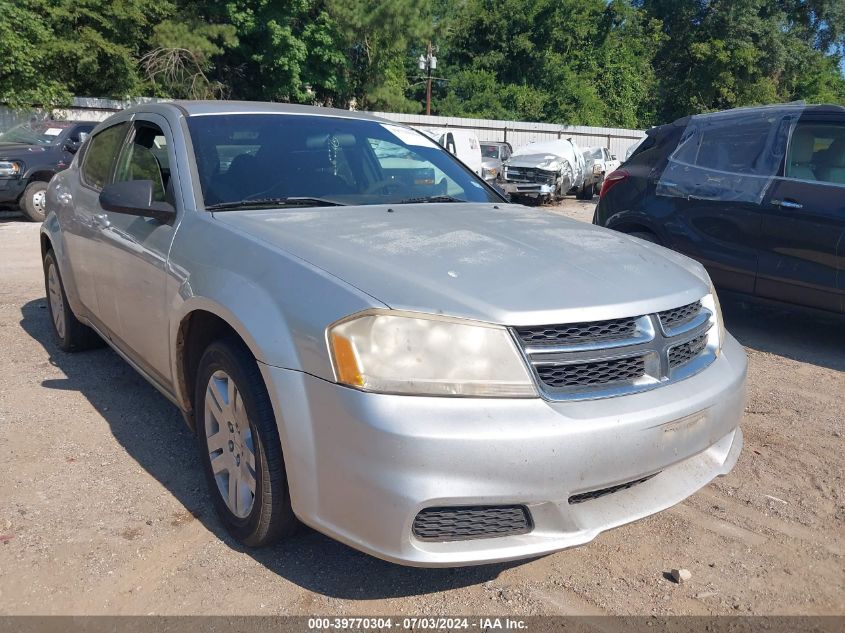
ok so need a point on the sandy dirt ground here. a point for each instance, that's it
(103, 508)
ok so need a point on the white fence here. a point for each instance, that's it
(517, 133)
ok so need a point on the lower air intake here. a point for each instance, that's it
(471, 522)
(601, 492)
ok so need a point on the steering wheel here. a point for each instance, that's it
(381, 185)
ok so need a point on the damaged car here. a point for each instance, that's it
(545, 171)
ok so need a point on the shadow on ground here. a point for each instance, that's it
(809, 337)
(153, 433)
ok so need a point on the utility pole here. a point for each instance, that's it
(428, 62)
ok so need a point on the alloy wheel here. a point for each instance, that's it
(57, 303)
(230, 443)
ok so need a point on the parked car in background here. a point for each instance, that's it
(461, 143)
(30, 154)
(493, 155)
(545, 171)
(756, 194)
(633, 147)
(598, 163)
(437, 379)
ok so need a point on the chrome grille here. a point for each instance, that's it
(685, 352)
(603, 372)
(530, 174)
(578, 332)
(613, 357)
(471, 522)
(670, 319)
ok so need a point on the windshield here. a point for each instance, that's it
(265, 157)
(34, 133)
(489, 151)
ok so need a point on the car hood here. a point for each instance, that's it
(9, 149)
(503, 263)
(535, 160)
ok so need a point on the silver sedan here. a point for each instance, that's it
(368, 339)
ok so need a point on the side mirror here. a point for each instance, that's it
(135, 197)
(73, 146)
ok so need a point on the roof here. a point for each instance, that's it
(794, 106)
(199, 108)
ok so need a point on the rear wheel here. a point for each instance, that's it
(34, 201)
(586, 192)
(71, 334)
(239, 445)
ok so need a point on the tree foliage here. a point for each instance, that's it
(627, 63)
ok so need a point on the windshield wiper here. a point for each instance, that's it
(440, 198)
(260, 203)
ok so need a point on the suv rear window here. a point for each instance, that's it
(731, 156)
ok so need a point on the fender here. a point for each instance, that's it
(280, 305)
(626, 221)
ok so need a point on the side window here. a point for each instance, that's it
(80, 133)
(145, 158)
(100, 155)
(450, 144)
(817, 152)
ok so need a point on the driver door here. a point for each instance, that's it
(131, 282)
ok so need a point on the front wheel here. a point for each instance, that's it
(239, 445)
(34, 201)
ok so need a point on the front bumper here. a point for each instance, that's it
(11, 189)
(361, 466)
(528, 188)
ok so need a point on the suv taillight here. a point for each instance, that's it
(613, 178)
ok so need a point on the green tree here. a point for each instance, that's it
(721, 54)
(566, 61)
(25, 76)
(95, 44)
(378, 40)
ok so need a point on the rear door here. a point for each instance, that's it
(804, 223)
(714, 223)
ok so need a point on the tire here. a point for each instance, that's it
(586, 192)
(71, 334)
(33, 201)
(646, 235)
(256, 509)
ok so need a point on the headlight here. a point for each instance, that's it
(489, 172)
(9, 169)
(711, 302)
(409, 353)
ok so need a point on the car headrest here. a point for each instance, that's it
(803, 143)
(835, 154)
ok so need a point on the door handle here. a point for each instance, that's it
(102, 220)
(787, 204)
